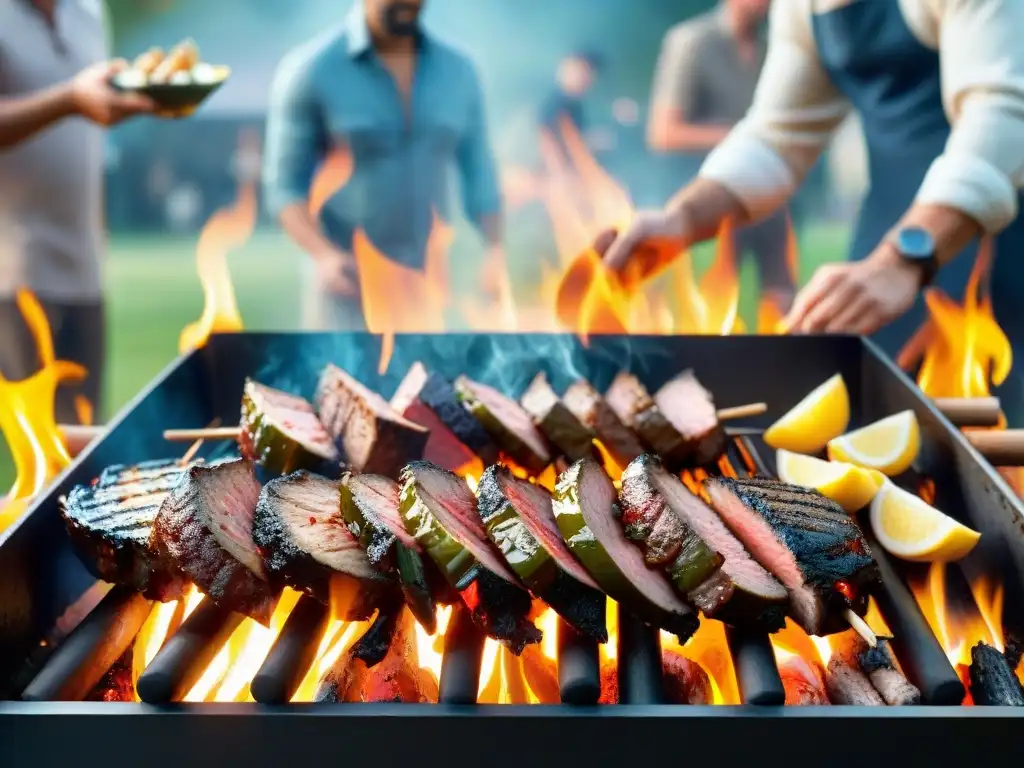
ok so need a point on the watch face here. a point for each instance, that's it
(915, 243)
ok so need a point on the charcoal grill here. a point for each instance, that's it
(41, 577)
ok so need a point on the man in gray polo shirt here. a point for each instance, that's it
(54, 96)
(703, 86)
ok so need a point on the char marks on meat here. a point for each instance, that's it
(305, 542)
(565, 431)
(507, 422)
(111, 521)
(205, 526)
(587, 405)
(690, 408)
(370, 435)
(635, 407)
(807, 541)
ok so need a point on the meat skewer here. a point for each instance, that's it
(587, 405)
(556, 421)
(508, 424)
(879, 665)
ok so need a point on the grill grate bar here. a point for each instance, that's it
(579, 667)
(292, 654)
(463, 655)
(639, 662)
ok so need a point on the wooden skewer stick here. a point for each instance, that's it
(861, 627)
(206, 433)
(970, 411)
(742, 411)
(1003, 448)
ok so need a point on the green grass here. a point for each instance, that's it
(154, 291)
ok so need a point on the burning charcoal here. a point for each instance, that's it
(521, 523)
(556, 421)
(807, 541)
(1014, 650)
(206, 526)
(440, 511)
(993, 683)
(705, 561)
(110, 523)
(282, 434)
(374, 644)
(456, 437)
(371, 436)
(508, 424)
(846, 684)
(609, 683)
(369, 504)
(587, 405)
(802, 683)
(586, 509)
(636, 409)
(686, 682)
(305, 543)
(880, 666)
(691, 410)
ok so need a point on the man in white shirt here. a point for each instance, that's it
(939, 87)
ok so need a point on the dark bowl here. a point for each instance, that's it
(177, 100)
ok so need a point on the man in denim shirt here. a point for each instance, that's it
(410, 108)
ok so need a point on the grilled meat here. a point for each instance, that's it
(438, 509)
(689, 408)
(706, 562)
(206, 526)
(556, 421)
(879, 665)
(370, 435)
(521, 523)
(846, 684)
(508, 424)
(305, 542)
(456, 437)
(636, 409)
(803, 683)
(369, 505)
(686, 682)
(282, 434)
(807, 541)
(587, 405)
(110, 523)
(586, 511)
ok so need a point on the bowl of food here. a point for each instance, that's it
(178, 81)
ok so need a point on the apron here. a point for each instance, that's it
(893, 81)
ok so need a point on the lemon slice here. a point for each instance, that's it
(913, 530)
(889, 445)
(851, 487)
(811, 423)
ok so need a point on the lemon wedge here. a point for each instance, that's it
(811, 423)
(849, 486)
(889, 445)
(913, 530)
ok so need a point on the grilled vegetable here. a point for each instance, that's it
(111, 520)
(370, 435)
(690, 409)
(440, 511)
(206, 526)
(586, 510)
(521, 523)
(282, 434)
(807, 541)
(636, 409)
(587, 405)
(508, 424)
(556, 421)
(712, 568)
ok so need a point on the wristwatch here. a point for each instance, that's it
(916, 246)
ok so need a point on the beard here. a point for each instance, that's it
(402, 19)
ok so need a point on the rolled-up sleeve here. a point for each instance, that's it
(982, 59)
(795, 112)
(481, 195)
(296, 139)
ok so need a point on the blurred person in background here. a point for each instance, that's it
(703, 85)
(574, 79)
(939, 88)
(55, 97)
(411, 109)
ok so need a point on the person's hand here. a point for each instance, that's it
(859, 297)
(651, 241)
(337, 273)
(93, 96)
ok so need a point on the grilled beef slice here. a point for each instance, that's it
(740, 592)
(636, 409)
(686, 682)
(110, 522)
(508, 424)
(438, 508)
(689, 408)
(807, 541)
(369, 505)
(206, 526)
(587, 405)
(370, 435)
(587, 511)
(556, 421)
(282, 434)
(521, 523)
(305, 543)
(456, 437)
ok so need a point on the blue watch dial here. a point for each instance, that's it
(915, 243)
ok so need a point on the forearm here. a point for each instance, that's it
(685, 137)
(704, 205)
(951, 229)
(304, 232)
(22, 118)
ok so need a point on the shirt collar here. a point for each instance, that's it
(358, 34)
